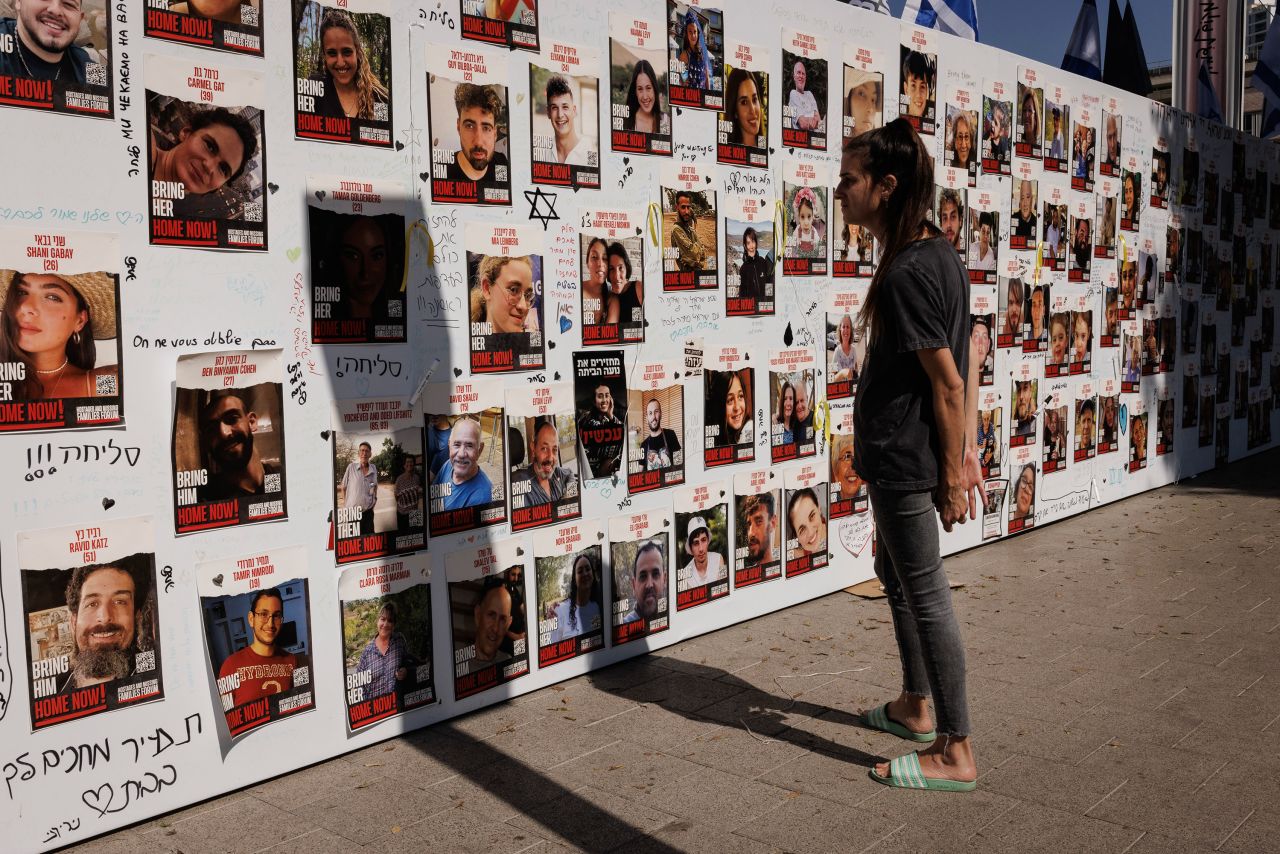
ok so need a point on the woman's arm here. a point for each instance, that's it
(955, 408)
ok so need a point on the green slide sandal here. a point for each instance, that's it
(905, 773)
(878, 718)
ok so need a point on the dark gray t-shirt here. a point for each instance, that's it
(924, 304)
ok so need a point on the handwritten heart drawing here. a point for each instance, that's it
(123, 217)
(272, 186)
(424, 176)
(324, 434)
(457, 372)
(294, 254)
(108, 503)
(95, 800)
(399, 145)
(217, 580)
(320, 194)
(565, 324)
(1123, 417)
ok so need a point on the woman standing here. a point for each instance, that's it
(914, 424)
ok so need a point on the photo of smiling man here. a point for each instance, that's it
(55, 55)
(757, 544)
(564, 117)
(469, 127)
(488, 620)
(90, 619)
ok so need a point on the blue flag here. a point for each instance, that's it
(957, 17)
(1084, 51)
(1207, 104)
(1266, 79)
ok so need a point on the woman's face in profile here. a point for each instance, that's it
(735, 404)
(509, 300)
(363, 255)
(646, 94)
(340, 58)
(747, 110)
(44, 310)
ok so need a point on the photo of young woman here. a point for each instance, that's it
(742, 127)
(641, 113)
(342, 65)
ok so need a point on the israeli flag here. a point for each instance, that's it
(881, 6)
(957, 17)
(1084, 51)
(1266, 79)
(1207, 104)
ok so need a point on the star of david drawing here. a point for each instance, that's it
(544, 213)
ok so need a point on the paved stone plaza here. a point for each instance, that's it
(1124, 689)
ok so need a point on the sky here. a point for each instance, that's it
(1040, 29)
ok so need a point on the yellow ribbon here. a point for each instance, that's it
(1035, 280)
(1124, 250)
(652, 217)
(823, 417)
(779, 228)
(416, 226)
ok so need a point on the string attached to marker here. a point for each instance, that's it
(415, 227)
(652, 218)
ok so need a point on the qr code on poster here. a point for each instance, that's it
(271, 482)
(95, 74)
(145, 662)
(252, 212)
(301, 676)
(380, 111)
(395, 308)
(105, 385)
(248, 14)
(527, 18)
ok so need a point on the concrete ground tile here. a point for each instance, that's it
(1030, 737)
(1258, 832)
(319, 841)
(1064, 787)
(1051, 706)
(654, 727)
(1129, 725)
(1032, 829)
(170, 819)
(826, 777)
(737, 752)
(1205, 817)
(246, 824)
(311, 784)
(579, 702)
(762, 708)
(487, 723)
(593, 819)
(552, 741)
(626, 769)
(938, 820)
(714, 800)
(501, 789)
(627, 674)
(463, 830)
(692, 838)
(808, 824)
(1154, 843)
(367, 814)
(680, 692)
(124, 842)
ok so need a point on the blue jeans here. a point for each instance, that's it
(909, 565)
